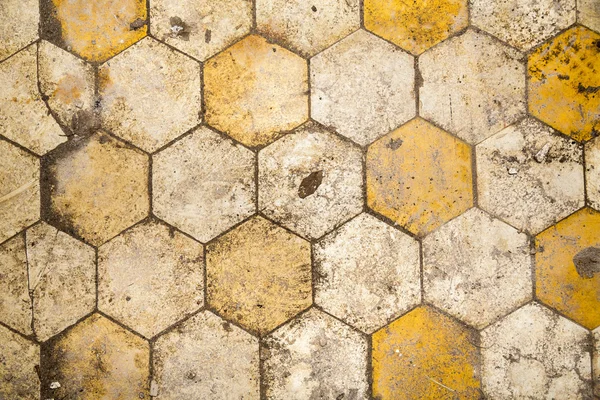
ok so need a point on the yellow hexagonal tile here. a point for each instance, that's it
(415, 25)
(425, 355)
(564, 82)
(568, 267)
(419, 176)
(95, 30)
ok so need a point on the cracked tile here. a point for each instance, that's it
(19, 360)
(15, 303)
(19, 23)
(592, 172)
(589, 14)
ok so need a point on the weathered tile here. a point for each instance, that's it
(596, 362)
(310, 181)
(523, 24)
(359, 98)
(258, 275)
(315, 357)
(206, 358)
(588, 13)
(15, 303)
(535, 354)
(529, 176)
(94, 30)
(568, 267)
(306, 27)
(149, 277)
(419, 176)
(200, 28)
(204, 184)
(97, 187)
(156, 101)
(96, 360)
(418, 25)
(563, 83)
(367, 273)
(19, 22)
(19, 359)
(425, 354)
(473, 86)
(19, 190)
(19, 97)
(592, 172)
(254, 91)
(477, 268)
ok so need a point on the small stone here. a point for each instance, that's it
(54, 385)
(513, 171)
(540, 156)
(153, 388)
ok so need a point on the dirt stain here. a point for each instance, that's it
(587, 262)
(310, 184)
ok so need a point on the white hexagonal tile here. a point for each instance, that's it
(596, 361)
(19, 359)
(19, 24)
(367, 273)
(592, 172)
(363, 87)
(477, 268)
(15, 303)
(529, 176)
(588, 14)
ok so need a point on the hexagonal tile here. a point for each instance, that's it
(19, 25)
(316, 357)
(96, 187)
(15, 303)
(94, 30)
(592, 172)
(154, 103)
(19, 96)
(19, 190)
(419, 176)
(96, 359)
(367, 273)
(596, 361)
(535, 354)
(204, 184)
(150, 276)
(306, 27)
(418, 25)
(200, 29)
(425, 354)
(473, 86)
(255, 90)
(357, 96)
(588, 14)
(568, 267)
(477, 268)
(258, 275)
(206, 358)
(563, 83)
(310, 181)
(19, 359)
(529, 176)
(523, 24)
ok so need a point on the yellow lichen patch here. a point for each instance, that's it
(256, 90)
(415, 25)
(425, 355)
(259, 275)
(567, 267)
(419, 176)
(97, 30)
(564, 83)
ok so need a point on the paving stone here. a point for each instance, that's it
(477, 268)
(367, 273)
(258, 275)
(592, 172)
(310, 181)
(19, 359)
(206, 357)
(419, 176)
(254, 91)
(547, 180)
(596, 362)
(418, 25)
(563, 83)
(200, 29)
(316, 357)
(473, 86)
(535, 354)
(426, 354)
(96, 187)
(149, 277)
(523, 24)
(19, 97)
(19, 25)
(15, 303)
(588, 14)
(94, 30)
(307, 27)
(96, 359)
(204, 184)
(568, 267)
(362, 87)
